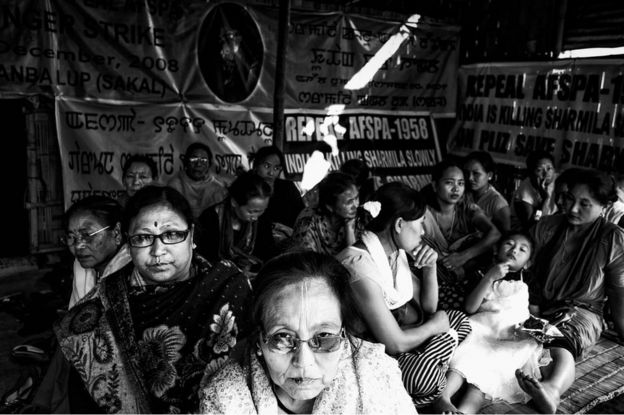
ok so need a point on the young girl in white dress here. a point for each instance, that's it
(487, 360)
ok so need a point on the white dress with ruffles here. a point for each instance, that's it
(489, 356)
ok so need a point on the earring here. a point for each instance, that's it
(258, 350)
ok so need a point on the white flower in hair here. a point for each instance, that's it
(373, 207)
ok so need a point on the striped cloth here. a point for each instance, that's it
(424, 370)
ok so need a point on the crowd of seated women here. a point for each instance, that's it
(238, 299)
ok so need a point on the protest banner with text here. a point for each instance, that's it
(572, 109)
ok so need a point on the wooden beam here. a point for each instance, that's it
(280, 69)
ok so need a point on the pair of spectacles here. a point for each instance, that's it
(269, 166)
(143, 240)
(71, 238)
(198, 160)
(319, 343)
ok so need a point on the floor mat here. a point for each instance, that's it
(599, 379)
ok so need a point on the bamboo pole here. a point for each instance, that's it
(280, 69)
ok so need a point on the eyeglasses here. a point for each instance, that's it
(143, 240)
(268, 166)
(71, 238)
(198, 160)
(319, 343)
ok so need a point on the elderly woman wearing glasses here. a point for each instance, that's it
(93, 236)
(198, 183)
(302, 357)
(141, 340)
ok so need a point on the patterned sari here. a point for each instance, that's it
(144, 348)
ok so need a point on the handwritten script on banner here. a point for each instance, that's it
(152, 77)
(572, 109)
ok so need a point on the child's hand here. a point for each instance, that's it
(424, 256)
(498, 271)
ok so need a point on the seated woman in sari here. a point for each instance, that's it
(579, 265)
(93, 236)
(303, 356)
(398, 307)
(459, 231)
(336, 222)
(235, 228)
(139, 342)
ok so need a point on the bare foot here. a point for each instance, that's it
(444, 406)
(545, 399)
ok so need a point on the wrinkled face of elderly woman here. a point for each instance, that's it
(90, 240)
(306, 310)
(138, 176)
(161, 244)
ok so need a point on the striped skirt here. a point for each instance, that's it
(424, 369)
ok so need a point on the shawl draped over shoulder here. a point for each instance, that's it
(367, 382)
(144, 348)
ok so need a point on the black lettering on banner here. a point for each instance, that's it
(122, 33)
(225, 128)
(503, 86)
(78, 194)
(106, 122)
(187, 124)
(495, 141)
(332, 57)
(130, 84)
(304, 128)
(566, 87)
(526, 144)
(91, 162)
(228, 163)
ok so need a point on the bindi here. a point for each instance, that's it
(155, 224)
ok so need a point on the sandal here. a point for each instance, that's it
(29, 352)
(20, 395)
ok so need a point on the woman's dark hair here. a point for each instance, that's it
(247, 186)
(600, 185)
(534, 157)
(357, 169)
(332, 186)
(397, 200)
(444, 165)
(265, 152)
(297, 267)
(140, 158)
(198, 146)
(484, 159)
(107, 210)
(154, 196)
(568, 177)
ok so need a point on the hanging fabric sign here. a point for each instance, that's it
(572, 109)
